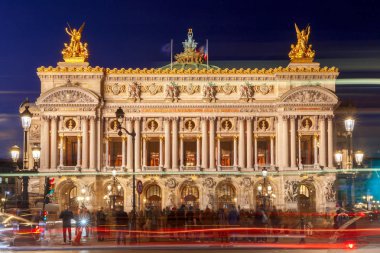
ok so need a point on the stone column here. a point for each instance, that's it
(212, 143)
(204, 144)
(92, 144)
(249, 143)
(84, 143)
(161, 151)
(53, 142)
(241, 144)
(285, 142)
(175, 144)
(219, 153)
(79, 149)
(235, 151)
(99, 146)
(299, 151)
(322, 143)
(181, 152)
(330, 142)
(106, 140)
(129, 146)
(256, 160)
(315, 141)
(123, 153)
(293, 142)
(44, 139)
(137, 145)
(199, 151)
(144, 152)
(272, 150)
(167, 143)
(61, 145)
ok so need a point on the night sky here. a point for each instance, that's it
(345, 34)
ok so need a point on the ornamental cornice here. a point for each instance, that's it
(77, 69)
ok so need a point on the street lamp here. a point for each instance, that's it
(26, 120)
(120, 118)
(113, 190)
(15, 153)
(349, 124)
(339, 158)
(265, 190)
(368, 199)
(359, 155)
(36, 153)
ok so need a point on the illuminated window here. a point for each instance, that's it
(304, 190)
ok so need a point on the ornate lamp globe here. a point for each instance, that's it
(338, 157)
(114, 173)
(349, 124)
(26, 118)
(36, 153)
(15, 153)
(118, 188)
(260, 188)
(83, 190)
(109, 187)
(359, 155)
(264, 172)
(120, 115)
(269, 188)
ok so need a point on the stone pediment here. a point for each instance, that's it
(309, 95)
(69, 96)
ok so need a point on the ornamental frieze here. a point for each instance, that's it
(134, 92)
(247, 92)
(115, 89)
(189, 89)
(226, 89)
(308, 96)
(68, 96)
(263, 89)
(152, 88)
(172, 92)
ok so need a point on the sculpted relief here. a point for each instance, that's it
(330, 192)
(291, 190)
(307, 96)
(172, 92)
(69, 96)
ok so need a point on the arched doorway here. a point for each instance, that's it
(264, 194)
(306, 198)
(190, 194)
(153, 196)
(67, 195)
(225, 194)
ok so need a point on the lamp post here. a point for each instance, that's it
(26, 120)
(36, 153)
(349, 124)
(114, 190)
(359, 155)
(83, 197)
(339, 158)
(265, 190)
(120, 118)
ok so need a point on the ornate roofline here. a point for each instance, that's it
(226, 71)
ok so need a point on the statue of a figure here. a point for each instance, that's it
(76, 51)
(302, 51)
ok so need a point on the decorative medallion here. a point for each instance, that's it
(246, 182)
(152, 125)
(153, 89)
(113, 125)
(189, 125)
(190, 89)
(70, 124)
(171, 183)
(226, 125)
(227, 89)
(264, 88)
(263, 125)
(209, 182)
(307, 123)
(35, 131)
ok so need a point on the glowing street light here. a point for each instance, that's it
(15, 153)
(359, 155)
(339, 158)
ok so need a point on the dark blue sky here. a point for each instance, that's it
(252, 33)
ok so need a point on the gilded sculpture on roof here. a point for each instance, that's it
(190, 53)
(76, 51)
(302, 51)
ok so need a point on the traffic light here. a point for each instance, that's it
(44, 215)
(51, 185)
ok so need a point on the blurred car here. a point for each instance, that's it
(16, 229)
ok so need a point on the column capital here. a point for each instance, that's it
(330, 117)
(199, 136)
(292, 117)
(79, 136)
(203, 118)
(124, 137)
(236, 137)
(242, 118)
(272, 136)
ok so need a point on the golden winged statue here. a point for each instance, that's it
(76, 51)
(302, 51)
(190, 53)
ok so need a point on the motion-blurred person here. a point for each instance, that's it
(122, 225)
(100, 223)
(275, 221)
(66, 217)
(233, 220)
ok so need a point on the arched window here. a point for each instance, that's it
(226, 194)
(153, 190)
(189, 190)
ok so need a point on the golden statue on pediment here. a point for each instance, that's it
(76, 51)
(190, 53)
(302, 51)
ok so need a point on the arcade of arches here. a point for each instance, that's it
(199, 192)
